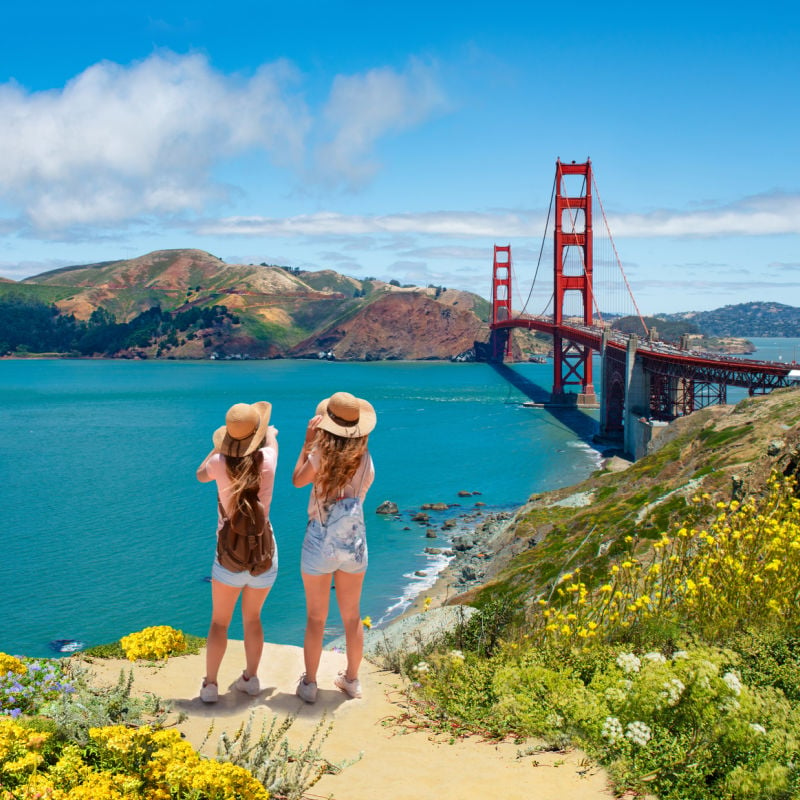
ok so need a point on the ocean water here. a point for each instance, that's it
(108, 531)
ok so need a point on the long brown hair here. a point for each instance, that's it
(245, 475)
(339, 460)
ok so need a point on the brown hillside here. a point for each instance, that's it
(173, 270)
(276, 311)
(399, 325)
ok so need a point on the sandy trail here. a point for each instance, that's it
(396, 763)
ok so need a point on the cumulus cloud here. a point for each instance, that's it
(117, 142)
(120, 143)
(363, 108)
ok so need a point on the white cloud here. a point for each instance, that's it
(758, 215)
(327, 223)
(117, 142)
(363, 108)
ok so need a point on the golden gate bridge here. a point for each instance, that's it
(644, 380)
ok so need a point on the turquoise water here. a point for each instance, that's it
(108, 531)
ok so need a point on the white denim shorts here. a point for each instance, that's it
(241, 579)
(322, 555)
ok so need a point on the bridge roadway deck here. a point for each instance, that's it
(663, 359)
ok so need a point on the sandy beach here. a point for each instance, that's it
(396, 762)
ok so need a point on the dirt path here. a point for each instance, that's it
(396, 763)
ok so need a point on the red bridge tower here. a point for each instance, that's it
(572, 363)
(500, 339)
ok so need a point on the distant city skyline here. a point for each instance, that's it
(403, 141)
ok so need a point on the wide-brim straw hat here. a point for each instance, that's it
(346, 415)
(244, 429)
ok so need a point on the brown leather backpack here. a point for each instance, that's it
(248, 548)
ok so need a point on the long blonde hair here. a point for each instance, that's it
(245, 475)
(339, 461)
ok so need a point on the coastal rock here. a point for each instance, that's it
(468, 573)
(433, 551)
(775, 447)
(420, 516)
(387, 507)
(464, 493)
(462, 544)
(431, 533)
(448, 524)
(435, 506)
(420, 573)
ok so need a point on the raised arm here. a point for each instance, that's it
(304, 471)
(202, 473)
(272, 439)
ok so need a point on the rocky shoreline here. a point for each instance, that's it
(471, 544)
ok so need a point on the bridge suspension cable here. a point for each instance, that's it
(541, 252)
(616, 255)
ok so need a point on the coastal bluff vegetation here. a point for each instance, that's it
(189, 304)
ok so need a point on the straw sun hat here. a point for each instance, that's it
(244, 429)
(347, 416)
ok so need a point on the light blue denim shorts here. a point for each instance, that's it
(322, 556)
(242, 579)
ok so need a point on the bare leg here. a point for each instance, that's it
(223, 600)
(348, 596)
(318, 596)
(252, 602)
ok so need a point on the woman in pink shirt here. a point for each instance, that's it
(243, 464)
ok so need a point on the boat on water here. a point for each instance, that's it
(67, 645)
(537, 359)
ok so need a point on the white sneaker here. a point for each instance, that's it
(306, 691)
(209, 692)
(249, 685)
(352, 688)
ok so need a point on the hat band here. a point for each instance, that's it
(345, 423)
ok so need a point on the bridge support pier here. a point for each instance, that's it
(640, 428)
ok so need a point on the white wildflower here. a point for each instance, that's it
(733, 682)
(629, 662)
(638, 733)
(423, 666)
(730, 705)
(612, 730)
(758, 728)
(655, 657)
(673, 689)
(456, 655)
(680, 655)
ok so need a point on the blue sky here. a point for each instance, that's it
(404, 140)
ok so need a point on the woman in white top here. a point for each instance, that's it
(335, 461)
(243, 464)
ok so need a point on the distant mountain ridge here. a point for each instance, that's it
(264, 311)
(744, 319)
